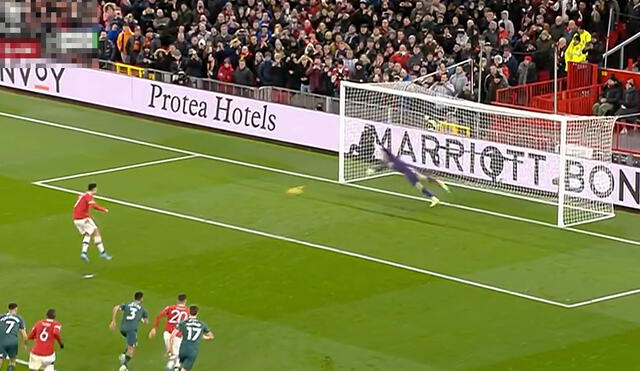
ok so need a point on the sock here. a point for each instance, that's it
(98, 241)
(426, 193)
(127, 358)
(85, 244)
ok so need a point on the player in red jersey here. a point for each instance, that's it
(44, 332)
(85, 224)
(175, 314)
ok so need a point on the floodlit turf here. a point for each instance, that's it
(274, 296)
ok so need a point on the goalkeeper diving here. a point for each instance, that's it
(417, 179)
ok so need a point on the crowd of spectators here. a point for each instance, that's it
(313, 45)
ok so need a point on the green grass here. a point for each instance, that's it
(278, 305)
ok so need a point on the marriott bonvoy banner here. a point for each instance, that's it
(461, 156)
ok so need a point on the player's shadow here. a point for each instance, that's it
(400, 215)
(379, 212)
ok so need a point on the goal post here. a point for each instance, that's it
(507, 152)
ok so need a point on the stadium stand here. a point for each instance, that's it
(312, 45)
(298, 51)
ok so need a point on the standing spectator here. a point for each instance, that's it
(609, 99)
(443, 87)
(337, 74)
(181, 43)
(134, 45)
(225, 72)
(146, 20)
(314, 73)
(279, 72)
(527, 72)
(491, 35)
(574, 52)
(243, 75)
(358, 74)
(458, 80)
(106, 49)
(121, 43)
(160, 24)
(512, 64)
(629, 102)
(543, 56)
(507, 24)
(305, 63)
(294, 72)
(594, 51)
(265, 70)
(557, 30)
(193, 66)
(492, 83)
(145, 58)
(401, 56)
(211, 68)
(185, 15)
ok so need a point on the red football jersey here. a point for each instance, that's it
(81, 208)
(45, 332)
(175, 314)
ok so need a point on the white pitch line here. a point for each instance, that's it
(120, 168)
(307, 176)
(313, 245)
(604, 298)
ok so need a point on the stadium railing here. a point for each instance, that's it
(299, 99)
(266, 93)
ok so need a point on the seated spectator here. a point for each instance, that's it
(629, 101)
(609, 100)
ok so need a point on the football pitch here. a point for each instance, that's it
(339, 277)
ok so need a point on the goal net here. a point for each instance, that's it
(508, 152)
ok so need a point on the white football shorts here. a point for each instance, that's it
(85, 226)
(41, 362)
(176, 343)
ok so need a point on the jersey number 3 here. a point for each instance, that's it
(132, 314)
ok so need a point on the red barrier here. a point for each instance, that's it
(522, 95)
(621, 142)
(577, 101)
(581, 75)
(621, 75)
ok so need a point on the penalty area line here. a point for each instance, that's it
(115, 169)
(316, 246)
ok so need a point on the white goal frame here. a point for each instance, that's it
(562, 204)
